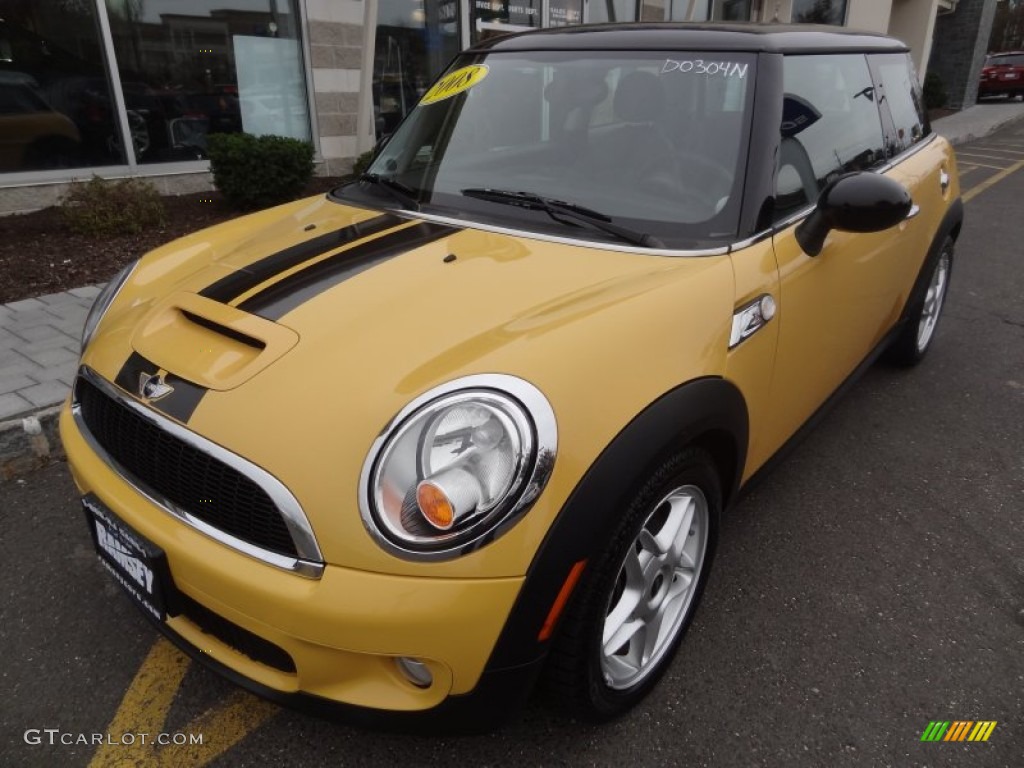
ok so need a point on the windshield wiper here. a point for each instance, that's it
(557, 209)
(403, 194)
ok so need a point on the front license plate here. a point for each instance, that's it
(1010, 76)
(135, 562)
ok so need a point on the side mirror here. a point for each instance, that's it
(857, 202)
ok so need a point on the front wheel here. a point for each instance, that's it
(914, 340)
(623, 628)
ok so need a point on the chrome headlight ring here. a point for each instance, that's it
(457, 467)
(103, 301)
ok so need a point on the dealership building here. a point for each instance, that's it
(118, 88)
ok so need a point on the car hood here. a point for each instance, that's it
(297, 352)
(421, 300)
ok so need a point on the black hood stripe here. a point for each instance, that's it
(285, 295)
(180, 404)
(232, 286)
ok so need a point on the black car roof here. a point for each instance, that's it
(771, 38)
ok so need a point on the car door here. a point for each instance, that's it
(924, 167)
(836, 306)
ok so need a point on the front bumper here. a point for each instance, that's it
(343, 631)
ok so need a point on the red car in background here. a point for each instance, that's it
(1002, 75)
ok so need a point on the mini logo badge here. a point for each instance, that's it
(153, 386)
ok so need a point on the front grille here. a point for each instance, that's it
(195, 482)
(229, 633)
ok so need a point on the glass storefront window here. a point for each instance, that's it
(731, 10)
(564, 13)
(819, 11)
(415, 41)
(190, 68)
(689, 10)
(498, 17)
(56, 104)
(612, 10)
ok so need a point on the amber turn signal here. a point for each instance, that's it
(435, 506)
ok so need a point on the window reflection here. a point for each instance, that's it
(415, 41)
(56, 108)
(191, 68)
(830, 126)
(819, 11)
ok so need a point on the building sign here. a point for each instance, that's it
(270, 90)
(505, 15)
(562, 13)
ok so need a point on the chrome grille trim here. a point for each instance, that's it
(309, 563)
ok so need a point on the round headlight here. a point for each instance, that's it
(457, 466)
(103, 300)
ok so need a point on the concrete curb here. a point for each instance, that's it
(987, 130)
(977, 122)
(29, 443)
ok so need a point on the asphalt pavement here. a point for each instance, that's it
(872, 584)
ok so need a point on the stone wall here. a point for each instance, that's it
(959, 47)
(337, 56)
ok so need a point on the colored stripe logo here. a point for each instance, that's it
(958, 730)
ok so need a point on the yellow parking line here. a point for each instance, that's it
(993, 148)
(975, 164)
(991, 180)
(969, 153)
(146, 705)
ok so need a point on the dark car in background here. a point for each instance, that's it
(1002, 75)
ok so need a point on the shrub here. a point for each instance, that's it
(362, 163)
(934, 92)
(102, 207)
(259, 171)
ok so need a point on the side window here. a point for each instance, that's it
(830, 126)
(902, 93)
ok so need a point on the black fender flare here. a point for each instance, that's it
(948, 227)
(709, 411)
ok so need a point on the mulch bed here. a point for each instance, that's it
(40, 255)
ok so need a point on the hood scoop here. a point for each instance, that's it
(209, 343)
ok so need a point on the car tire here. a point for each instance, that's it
(624, 625)
(922, 318)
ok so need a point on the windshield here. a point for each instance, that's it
(652, 143)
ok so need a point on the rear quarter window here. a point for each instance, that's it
(901, 94)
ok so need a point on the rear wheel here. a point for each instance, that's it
(915, 339)
(624, 626)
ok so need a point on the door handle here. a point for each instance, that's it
(943, 180)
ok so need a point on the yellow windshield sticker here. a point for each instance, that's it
(454, 83)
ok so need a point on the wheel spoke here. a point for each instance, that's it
(650, 543)
(620, 667)
(632, 593)
(681, 520)
(622, 635)
(664, 620)
(682, 581)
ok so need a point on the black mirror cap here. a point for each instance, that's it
(857, 202)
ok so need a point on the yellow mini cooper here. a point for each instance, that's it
(471, 421)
